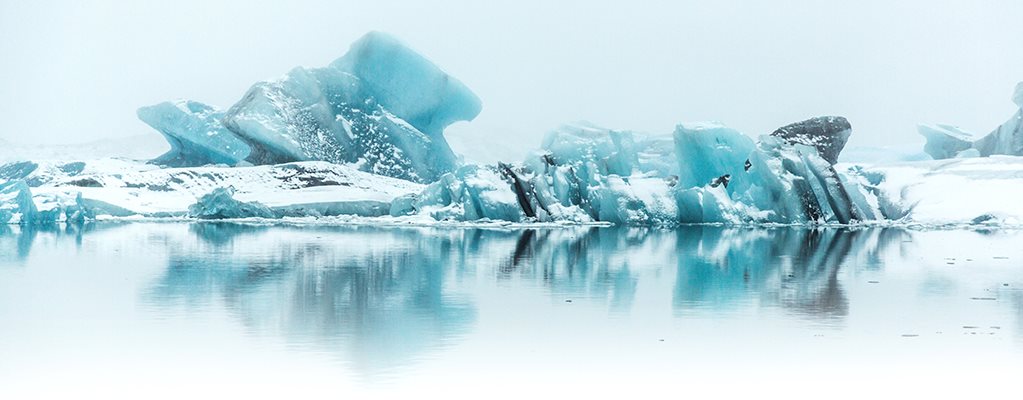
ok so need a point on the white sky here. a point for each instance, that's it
(77, 70)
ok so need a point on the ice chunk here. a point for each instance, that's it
(796, 185)
(725, 178)
(16, 205)
(17, 170)
(611, 152)
(471, 193)
(381, 106)
(221, 204)
(945, 141)
(195, 134)
(1007, 139)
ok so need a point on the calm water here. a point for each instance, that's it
(221, 309)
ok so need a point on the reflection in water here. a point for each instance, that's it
(382, 298)
(16, 241)
(373, 295)
(792, 267)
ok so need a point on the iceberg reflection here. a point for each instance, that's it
(381, 299)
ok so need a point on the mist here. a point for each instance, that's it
(77, 71)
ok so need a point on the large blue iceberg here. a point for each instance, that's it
(381, 107)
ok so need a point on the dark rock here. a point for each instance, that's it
(826, 134)
(721, 181)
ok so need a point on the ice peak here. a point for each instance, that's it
(408, 84)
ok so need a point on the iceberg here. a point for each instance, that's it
(381, 107)
(710, 174)
(945, 142)
(195, 134)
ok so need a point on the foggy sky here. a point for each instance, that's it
(76, 71)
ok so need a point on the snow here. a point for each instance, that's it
(122, 188)
(956, 192)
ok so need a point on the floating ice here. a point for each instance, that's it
(221, 204)
(468, 194)
(195, 134)
(711, 174)
(944, 141)
(956, 191)
(382, 107)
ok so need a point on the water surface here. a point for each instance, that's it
(178, 309)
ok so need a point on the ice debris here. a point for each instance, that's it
(16, 205)
(221, 204)
(944, 141)
(381, 107)
(19, 206)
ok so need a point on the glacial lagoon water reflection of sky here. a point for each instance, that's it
(110, 307)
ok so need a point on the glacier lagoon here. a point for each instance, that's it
(366, 257)
(291, 309)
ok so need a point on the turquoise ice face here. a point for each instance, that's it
(382, 107)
